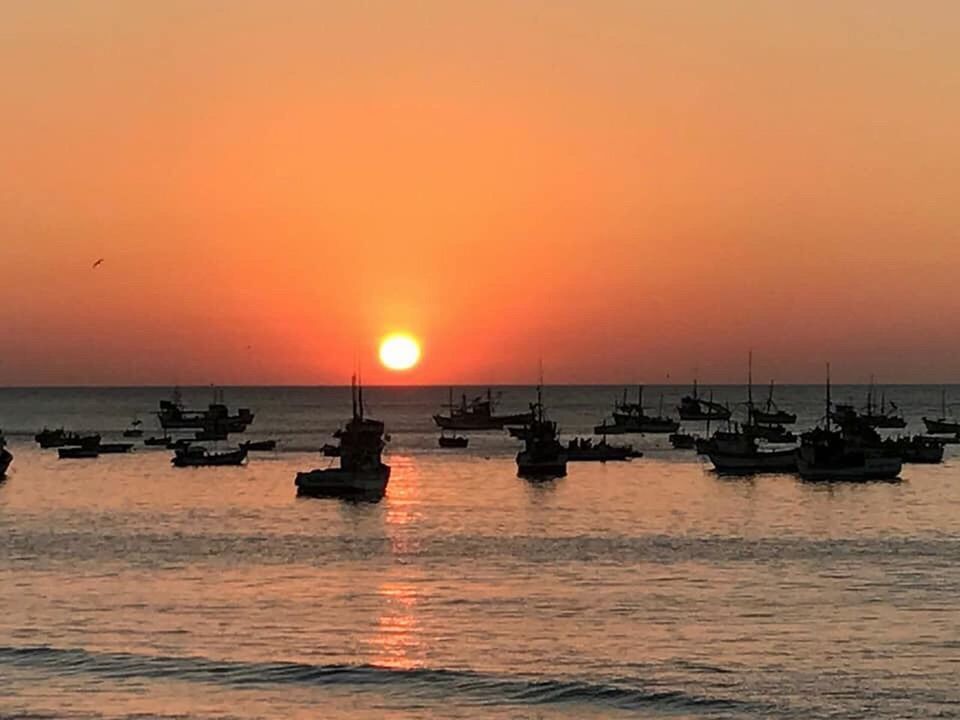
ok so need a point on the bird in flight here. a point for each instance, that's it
(98, 263)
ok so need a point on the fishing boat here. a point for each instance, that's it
(770, 414)
(216, 418)
(259, 445)
(78, 452)
(850, 453)
(542, 456)
(918, 449)
(756, 426)
(631, 417)
(452, 441)
(586, 450)
(134, 431)
(942, 425)
(882, 416)
(694, 407)
(683, 441)
(197, 456)
(59, 437)
(6, 457)
(362, 472)
(737, 452)
(477, 414)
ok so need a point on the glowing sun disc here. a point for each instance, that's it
(399, 351)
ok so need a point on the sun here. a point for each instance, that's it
(399, 351)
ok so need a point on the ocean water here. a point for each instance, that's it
(130, 589)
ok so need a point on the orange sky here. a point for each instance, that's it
(626, 188)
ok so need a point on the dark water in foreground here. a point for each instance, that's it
(647, 589)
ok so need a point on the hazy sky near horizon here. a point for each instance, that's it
(629, 189)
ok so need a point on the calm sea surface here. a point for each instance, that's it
(130, 589)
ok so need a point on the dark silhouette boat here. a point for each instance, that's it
(586, 450)
(757, 427)
(542, 456)
(59, 437)
(694, 407)
(854, 452)
(197, 456)
(78, 452)
(215, 419)
(259, 445)
(738, 453)
(477, 415)
(884, 416)
(631, 418)
(362, 472)
(770, 414)
(134, 431)
(942, 425)
(452, 441)
(6, 457)
(683, 441)
(918, 449)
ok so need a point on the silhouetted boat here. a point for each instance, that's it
(6, 457)
(134, 431)
(757, 428)
(542, 456)
(851, 453)
(477, 415)
(631, 418)
(694, 407)
(61, 438)
(215, 419)
(78, 452)
(683, 441)
(586, 450)
(918, 449)
(879, 416)
(196, 456)
(259, 445)
(770, 414)
(737, 453)
(362, 473)
(942, 425)
(452, 441)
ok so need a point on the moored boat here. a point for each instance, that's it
(113, 448)
(453, 441)
(683, 441)
(542, 457)
(694, 407)
(259, 445)
(215, 419)
(854, 452)
(942, 425)
(477, 414)
(586, 450)
(918, 449)
(59, 437)
(631, 418)
(362, 472)
(197, 456)
(738, 453)
(770, 414)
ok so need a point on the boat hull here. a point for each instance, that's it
(779, 461)
(184, 459)
(541, 468)
(864, 470)
(453, 442)
(339, 483)
(5, 459)
(624, 424)
(77, 453)
(941, 427)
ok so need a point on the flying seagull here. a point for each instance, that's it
(98, 263)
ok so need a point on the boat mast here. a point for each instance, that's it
(750, 387)
(639, 400)
(828, 397)
(353, 393)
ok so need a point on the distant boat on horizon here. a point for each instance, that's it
(477, 415)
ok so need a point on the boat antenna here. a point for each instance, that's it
(750, 383)
(360, 392)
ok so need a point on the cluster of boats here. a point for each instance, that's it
(214, 423)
